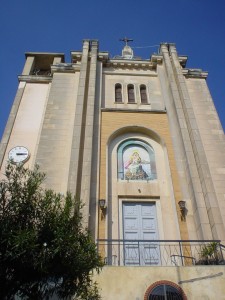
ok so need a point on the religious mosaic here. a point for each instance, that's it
(136, 163)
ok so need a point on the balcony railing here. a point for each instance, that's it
(161, 252)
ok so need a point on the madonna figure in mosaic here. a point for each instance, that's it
(136, 167)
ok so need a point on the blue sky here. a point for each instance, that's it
(196, 26)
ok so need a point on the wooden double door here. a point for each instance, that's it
(139, 233)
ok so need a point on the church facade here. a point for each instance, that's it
(140, 142)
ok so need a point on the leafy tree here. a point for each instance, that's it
(44, 249)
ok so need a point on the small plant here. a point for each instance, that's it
(210, 253)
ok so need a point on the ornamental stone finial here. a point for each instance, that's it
(127, 52)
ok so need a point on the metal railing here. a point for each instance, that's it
(161, 252)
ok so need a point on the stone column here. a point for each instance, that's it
(77, 142)
(191, 189)
(209, 200)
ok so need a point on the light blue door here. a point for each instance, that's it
(140, 224)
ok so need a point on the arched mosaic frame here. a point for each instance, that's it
(136, 161)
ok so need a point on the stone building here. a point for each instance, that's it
(139, 140)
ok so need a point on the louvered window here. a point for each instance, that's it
(143, 94)
(130, 91)
(118, 92)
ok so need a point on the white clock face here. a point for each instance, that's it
(18, 154)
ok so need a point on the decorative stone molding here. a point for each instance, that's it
(141, 64)
(77, 55)
(65, 68)
(160, 111)
(130, 64)
(183, 60)
(103, 56)
(157, 59)
(194, 73)
(35, 78)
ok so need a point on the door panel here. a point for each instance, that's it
(139, 223)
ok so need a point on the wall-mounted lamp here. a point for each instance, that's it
(102, 205)
(182, 205)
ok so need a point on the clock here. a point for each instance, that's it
(19, 154)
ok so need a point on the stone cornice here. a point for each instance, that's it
(45, 54)
(127, 110)
(103, 56)
(194, 73)
(77, 55)
(158, 59)
(65, 68)
(130, 64)
(150, 64)
(35, 78)
(131, 72)
(183, 60)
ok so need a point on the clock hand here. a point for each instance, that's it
(21, 153)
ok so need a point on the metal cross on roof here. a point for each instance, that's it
(126, 40)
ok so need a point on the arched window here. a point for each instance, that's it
(118, 92)
(130, 92)
(136, 161)
(162, 290)
(143, 93)
(165, 291)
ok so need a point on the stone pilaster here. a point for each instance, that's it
(77, 143)
(95, 170)
(191, 189)
(199, 158)
(88, 135)
(29, 65)
(11, 120)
